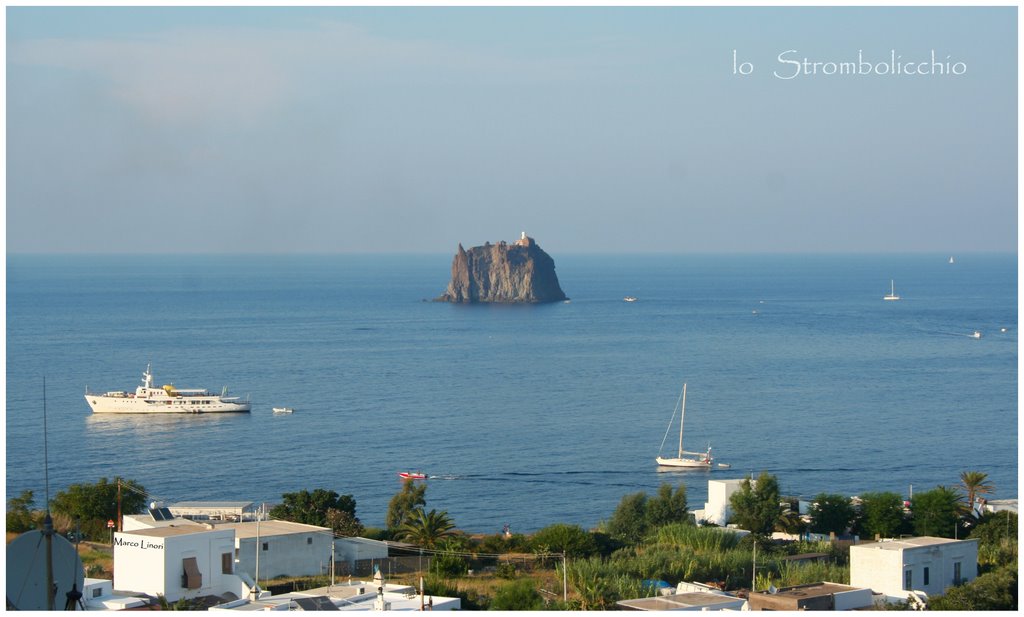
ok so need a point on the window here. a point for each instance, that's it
(266, 546)
(97, 592)
(926, 575)
(192, 578)
(908, 579)
(309, 540)
(956, 573)
(227, 561)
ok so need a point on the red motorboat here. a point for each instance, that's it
(412, 475)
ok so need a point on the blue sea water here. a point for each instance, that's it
(527, 415)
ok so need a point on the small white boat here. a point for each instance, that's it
(629, 299)
(283, 410)
(976, 334)
(950, 260)
(892, 292)
(692, 460)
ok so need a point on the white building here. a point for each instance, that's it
(822, 596)
(351, 550)
(98, 595)
(896, 567)
(716, 508)
(215, 510)
(285, 548)
(135, 522)
(354, 596)
(687, 601)
(177, 562)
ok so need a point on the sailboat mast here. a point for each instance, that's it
(682, 414)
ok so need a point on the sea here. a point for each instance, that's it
(519, 415)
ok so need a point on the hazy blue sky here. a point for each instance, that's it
(593, 129)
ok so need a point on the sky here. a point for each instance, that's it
(595, 130)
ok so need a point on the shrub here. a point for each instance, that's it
(19, 513)
(449, 565)
(521, 595)
(995, 591)
(560, 537)
(700, 539)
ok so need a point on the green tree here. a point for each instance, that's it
(411, 496)
(426, 528)
(344, 523)
(936, 512)
(667, 507)
(974, 484)
(19, 513)
(520, 595)
(561, 537)
(996, 533)
(637, 514)
(881, 514)
(628, 523)
(994, 591)
(94, 504)
(755, 505)
(312, 508)
(831, 513)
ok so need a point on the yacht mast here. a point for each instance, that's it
(682, 414)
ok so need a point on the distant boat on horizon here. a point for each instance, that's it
(951, 259)
(892, 292)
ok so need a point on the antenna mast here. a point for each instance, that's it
(47, 521)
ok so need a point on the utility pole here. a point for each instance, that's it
(332, 560)
(119, 505)
(565, 580)
(753, 573)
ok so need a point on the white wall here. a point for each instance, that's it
(306, 553)
(849, 600)
(883, 570)
(351, 550)
(153, 564)
(716, 509)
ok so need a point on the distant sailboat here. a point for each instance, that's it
(699, 460)
(951, 259)
(892, 292)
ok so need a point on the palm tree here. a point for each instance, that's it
(975, 483)
(426, 528)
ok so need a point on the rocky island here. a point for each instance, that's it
(519, 273)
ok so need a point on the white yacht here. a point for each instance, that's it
(892, 292)
(166, 399)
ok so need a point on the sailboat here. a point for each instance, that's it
(699, 460)
(892, 292)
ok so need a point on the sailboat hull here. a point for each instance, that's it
(684, 462)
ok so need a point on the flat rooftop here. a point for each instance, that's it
(271, 528)
(212, 505)
(167, 532)
(908, 543)
(811, 590)
(679, 601)
(150, 522)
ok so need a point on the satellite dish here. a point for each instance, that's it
(26, 571)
